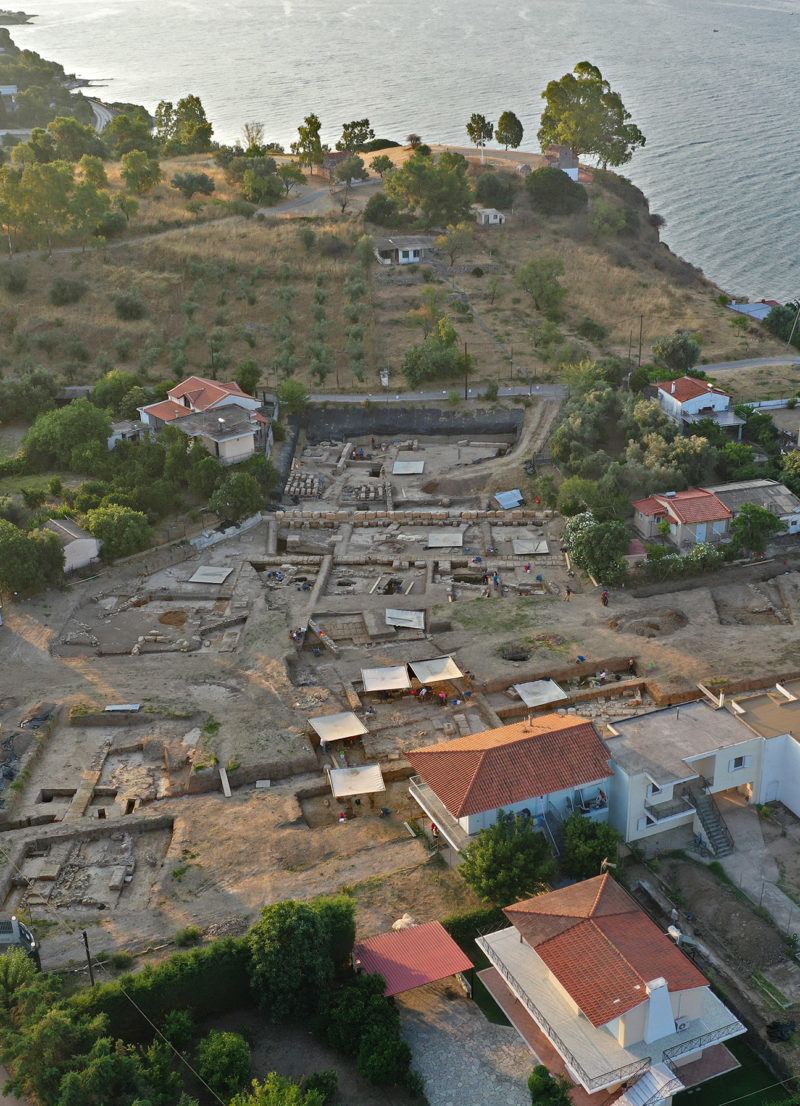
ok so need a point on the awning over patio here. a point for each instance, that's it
(436, 670)
(337, 727)
(412, 957)
(392, 678)
(356, 781)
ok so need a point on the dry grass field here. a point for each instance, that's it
(218, 290)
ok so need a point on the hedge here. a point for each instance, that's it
(208, 981)
(465, 927)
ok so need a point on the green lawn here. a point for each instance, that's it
(751, 1079)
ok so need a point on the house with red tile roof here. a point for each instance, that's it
(547, 767)
(687, 400)
(221, 414)
(693, 516)
(585, 970)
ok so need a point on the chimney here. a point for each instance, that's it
(672, 389)
(660, 1019)
(709, 385)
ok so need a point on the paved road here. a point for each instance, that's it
(751, 363)
(102, 114)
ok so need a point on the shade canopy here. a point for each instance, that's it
(208, 574)
(392, 678)
(525, 547)
(436, 670)
(356, 781)
(337, 727)
(507, 500)
(408, 958)
(445, 539)
(536, 692)
(408, 620)
(408, 468)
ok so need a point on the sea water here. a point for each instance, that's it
(711, 83)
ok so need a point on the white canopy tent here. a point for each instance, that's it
(210, 574)
(337, 727)
(392, 678)
(408, 468)
(365, 780)
(436, 670)
(407, 620)
(445, 539)
(536, 692)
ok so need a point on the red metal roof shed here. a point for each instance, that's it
(409, 958)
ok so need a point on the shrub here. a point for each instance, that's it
(330, 245)
(65, 290)
(130, 306)
(178, 1028)
(382, 210)
(223, 1061)
(191, 935)
(552, 192)
(112, 224)
(14, 278)
(592, 331)
(325, 1083)
(491, 391)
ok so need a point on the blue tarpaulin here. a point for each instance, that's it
(507, 500)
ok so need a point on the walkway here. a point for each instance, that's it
(752, 867)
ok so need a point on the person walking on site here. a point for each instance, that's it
(567, 594)
(604, 598)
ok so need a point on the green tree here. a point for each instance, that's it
(55, 434)
(93, 170)
(88, 206)
(382, 164)
(552, 192)
(259, 188)
(29, 561)
(127, 132)
(381, 209)
(278, 1091)
(16, 969)
(337, 914)
(753, 526)
(509, 861)
(223, 1061)
(539, 278)
(586, 845)
(599, 547)
(110, 1072)
(547, 1089)
(293, 395)
(441, 190)
(480, 131)
(238, 496)
(291, 962)
(72, 140)
(109, 391)
(308, 147)
(495, 190)
(184, 128)
(349, 170)
(677, 352)
(290, 177)
(583, 112)
(121, 530)
(509, 130)
(188, 184)
(132, 400)
(43, 198)
(248, 375)
(455, 240)
(140, 172)
(355, 135)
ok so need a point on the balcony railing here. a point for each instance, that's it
(433, 806)
(661, 812)
(695, 1043)
(590, 1082)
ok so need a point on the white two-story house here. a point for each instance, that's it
(688, 400)
(585, 970)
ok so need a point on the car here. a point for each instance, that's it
(14, 934)
(38, 717)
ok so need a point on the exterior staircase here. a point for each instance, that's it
(716, 830)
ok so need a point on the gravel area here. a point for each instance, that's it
(466, 1060)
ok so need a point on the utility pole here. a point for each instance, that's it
(466, 371)
(641, 326)
(88, 958)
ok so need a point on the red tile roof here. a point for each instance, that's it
(167, 410)
(412, 957)
(496, 768)
(694, 505)
(689, 387)
(601, 947)
(203, 393)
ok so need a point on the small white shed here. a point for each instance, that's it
(489, 217)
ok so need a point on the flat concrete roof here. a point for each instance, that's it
(770, 714)
(658, 744)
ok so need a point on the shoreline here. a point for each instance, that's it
(15, 19)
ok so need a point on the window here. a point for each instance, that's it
(739, 762)
(653, 789)
(719, 526)
(404, 254)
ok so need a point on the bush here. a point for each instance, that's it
(325, 1083)
(178, 1028)
(129, 306)
(64, 290)
(552, 192)
(491, 391)
(14, 278)
(330, 245)
(465, 927)
(223, 1061)
(112, 224)
(382, 210)
(495, 190)
(592, 331)
(213, 980)
(191, 935)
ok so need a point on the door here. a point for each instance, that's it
(772, 791)
(701, 531)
